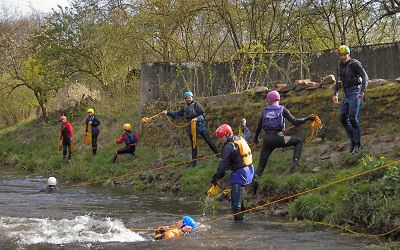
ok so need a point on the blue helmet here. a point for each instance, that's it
(187, 94)
(189, 221)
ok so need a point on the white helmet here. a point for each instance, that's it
(52, 181)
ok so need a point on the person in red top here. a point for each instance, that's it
(130, 138)
(66, 139)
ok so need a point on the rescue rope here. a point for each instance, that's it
(138, 172)
(315, 125)
(193, 127)
(306, 192)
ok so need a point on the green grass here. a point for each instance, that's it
(369, 203)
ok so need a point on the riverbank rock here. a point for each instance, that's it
(287, 88)
(329, 79)
(280, 86)
(260, 89)
(398, 79)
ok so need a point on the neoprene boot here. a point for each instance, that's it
(292, 167)
(237, 217)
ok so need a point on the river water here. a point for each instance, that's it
(100, 218)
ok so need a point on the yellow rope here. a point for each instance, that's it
(138, 172)
(314, 126)
(194, 133)
(302, 193)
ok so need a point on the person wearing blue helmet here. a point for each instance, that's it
(185, 225)
(193, 111)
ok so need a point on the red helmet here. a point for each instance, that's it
(223, 130)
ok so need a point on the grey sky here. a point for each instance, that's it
(25, 6)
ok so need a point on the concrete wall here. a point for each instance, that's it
(167, 81)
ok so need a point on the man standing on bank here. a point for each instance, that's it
(354, 80)
(193, 111)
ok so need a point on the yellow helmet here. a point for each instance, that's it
(127, 126)
(90, 110)
(343, 50)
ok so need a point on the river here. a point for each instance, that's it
(100, 218)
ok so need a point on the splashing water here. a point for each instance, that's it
(82, 229)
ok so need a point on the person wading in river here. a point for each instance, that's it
(236, 156)
(51, 185)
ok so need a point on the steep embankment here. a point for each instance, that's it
(369, 203)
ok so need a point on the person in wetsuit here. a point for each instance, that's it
(354, 81)
(95, 122)
(193, 110)
(185, 225)
(66, 137)
(51, 185)
(130, 138)
(272, 120)
(236, 156)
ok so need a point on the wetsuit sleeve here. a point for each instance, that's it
(176, 114)
(200, 112)
(293, 120)
(336, 88)
(247, 134)
(95, 122)
(258, 129)
(223, 162)
(121, 140)
(358, 68)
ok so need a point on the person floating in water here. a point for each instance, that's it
(51, 185)
(185, 225)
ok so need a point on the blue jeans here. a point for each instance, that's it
(349, 117)
(237, 200)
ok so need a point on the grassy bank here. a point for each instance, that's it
(368, 203)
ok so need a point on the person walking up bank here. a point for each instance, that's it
(193, 111)
(354, 81)
(272, 120)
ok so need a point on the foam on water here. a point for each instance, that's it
(82, 229)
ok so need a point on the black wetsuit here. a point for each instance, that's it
(274, 138)
(95, 131)
(195, 110)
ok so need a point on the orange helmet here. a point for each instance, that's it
(223, 130)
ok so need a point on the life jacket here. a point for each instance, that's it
(168, 234)
(244, 150)
(131, 138)
(273, 117)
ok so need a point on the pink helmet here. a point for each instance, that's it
(63, 118)
(273, 96)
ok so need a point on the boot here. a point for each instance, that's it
(253, 188)
(356, 150)
(352, 147)
(237, 217)
(292, 167)
(114, 158)
(191, 164)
